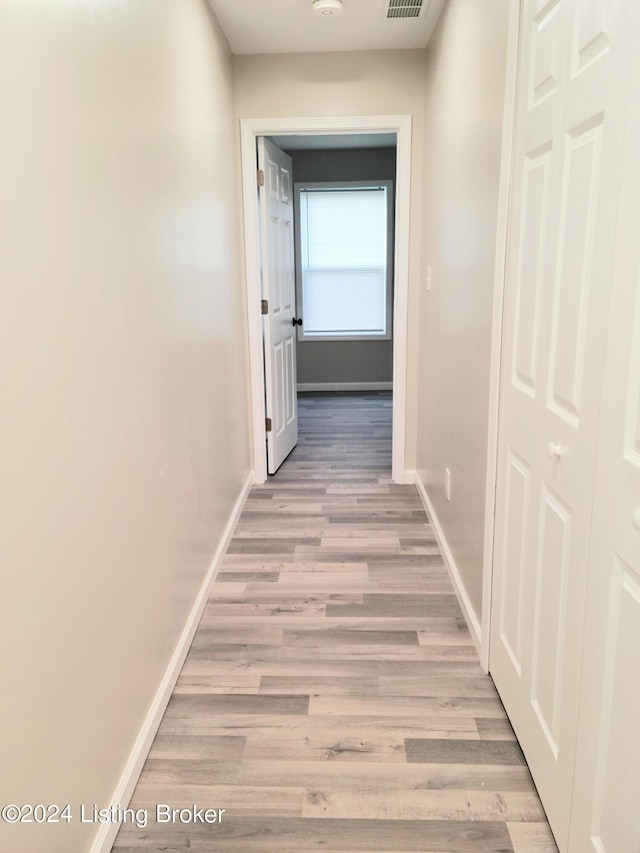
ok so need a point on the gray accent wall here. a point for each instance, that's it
(344, 361)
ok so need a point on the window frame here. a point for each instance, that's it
(388, 185)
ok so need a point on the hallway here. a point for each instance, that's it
(332, 697)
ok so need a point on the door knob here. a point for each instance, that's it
(554, 450)
(297, 322)
(635, 518)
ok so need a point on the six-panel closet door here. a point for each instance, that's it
(571, 100)
(605, 816)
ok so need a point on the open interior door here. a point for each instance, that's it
(278, 306)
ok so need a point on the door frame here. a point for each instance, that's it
(250, 129)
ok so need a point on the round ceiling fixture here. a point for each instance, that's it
(327, 7)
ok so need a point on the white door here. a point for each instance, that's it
(278, 293)
(606, 810)
(567, 151)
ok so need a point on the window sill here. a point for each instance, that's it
(365, 336)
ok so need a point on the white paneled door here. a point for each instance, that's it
(572, 80)
(606, 810)
(278, 292)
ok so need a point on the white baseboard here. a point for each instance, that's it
(465, 603)
(345, 386)
(106, 835)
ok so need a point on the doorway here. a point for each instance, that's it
(251, 129)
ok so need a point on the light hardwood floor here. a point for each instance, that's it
(332, 698)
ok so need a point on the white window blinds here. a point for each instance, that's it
(343, 240)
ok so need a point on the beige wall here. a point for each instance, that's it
(465, 72)
(123, 444)
(388, 82)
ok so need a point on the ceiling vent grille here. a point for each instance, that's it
(405, 8)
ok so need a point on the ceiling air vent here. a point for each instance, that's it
(406, 8)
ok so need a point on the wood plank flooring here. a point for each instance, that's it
(332, 698)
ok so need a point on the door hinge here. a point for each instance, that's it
(260, 178)
(268, 424)
(264, 306)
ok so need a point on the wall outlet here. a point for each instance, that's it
(427, 280)
(447, 483)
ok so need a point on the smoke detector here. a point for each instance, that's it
(327, 7)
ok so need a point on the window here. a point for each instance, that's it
(343, 260)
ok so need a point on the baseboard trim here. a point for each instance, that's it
(345, 386)
(106, 835)
(465, 603)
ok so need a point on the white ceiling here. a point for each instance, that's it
(327, 142)
(291, 26)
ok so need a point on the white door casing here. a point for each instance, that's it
(278, 289)
(567, 151)
(606, 806)
(250, 130)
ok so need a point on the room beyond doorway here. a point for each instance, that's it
(344, 209)
(384, 125)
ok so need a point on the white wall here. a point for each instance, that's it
(388, 82)
(123, 444)
(465, 76)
